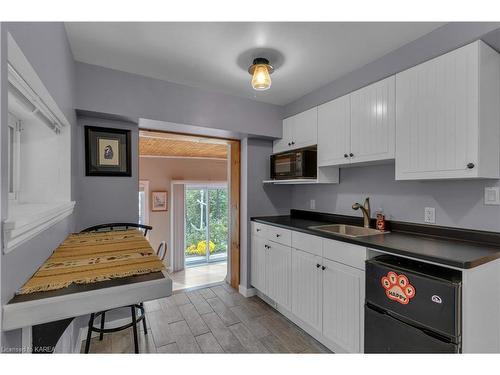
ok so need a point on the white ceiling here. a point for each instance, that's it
(215, 56)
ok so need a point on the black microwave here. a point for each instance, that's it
(297, 164)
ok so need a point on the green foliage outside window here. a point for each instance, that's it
(196, 221)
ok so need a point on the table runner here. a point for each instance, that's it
(95, 256)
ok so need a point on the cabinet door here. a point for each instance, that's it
(343, 299)
(334, 122)
(258, 263)
(306, 287)
(437, 117)
(373, 122)
(278, 271)
(305, 129)
(284, 143)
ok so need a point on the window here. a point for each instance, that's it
(38, 155)
(206, 224)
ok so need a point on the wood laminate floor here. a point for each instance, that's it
(211, 320)
(197, 276)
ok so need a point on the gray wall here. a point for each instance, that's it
(133, 96)
(46, 47)
(106, 199)
(103, 90)
(444, 39)
(3, 146)
(457, 203)
(257, 199)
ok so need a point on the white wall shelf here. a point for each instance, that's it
(29, 219)
(296, 181)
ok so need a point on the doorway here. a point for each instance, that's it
(200, 176)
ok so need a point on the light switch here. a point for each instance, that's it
(430, 215)
(492, 195)
(312, 204)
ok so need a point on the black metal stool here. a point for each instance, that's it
(133, 308)
(103, 330)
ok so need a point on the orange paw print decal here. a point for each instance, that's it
(398, 288)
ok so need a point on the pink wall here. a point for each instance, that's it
(161, 171)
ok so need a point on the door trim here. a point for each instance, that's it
(233, 180)
(234, 166)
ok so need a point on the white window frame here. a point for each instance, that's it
(26, 216)
(15, 126)
(144, 184)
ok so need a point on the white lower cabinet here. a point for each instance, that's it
(271, 264)
(258, 264)
(321, 287)
(343, 300)
(307, 288)
(278, 273)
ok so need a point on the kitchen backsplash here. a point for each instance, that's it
(458, 203)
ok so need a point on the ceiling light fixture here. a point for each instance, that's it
(260, 71)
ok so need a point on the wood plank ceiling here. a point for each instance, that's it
(178, 145)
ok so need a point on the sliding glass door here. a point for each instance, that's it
(206, 224)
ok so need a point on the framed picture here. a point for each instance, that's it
(159, 201)
(107, 152)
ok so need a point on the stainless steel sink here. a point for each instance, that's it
(347, 230)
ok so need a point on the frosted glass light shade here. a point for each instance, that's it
(261, 80)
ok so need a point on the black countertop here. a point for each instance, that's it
(460, 248)
(78, 288)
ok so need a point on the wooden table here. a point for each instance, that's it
(32, 312)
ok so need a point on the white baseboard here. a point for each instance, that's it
(247, 292)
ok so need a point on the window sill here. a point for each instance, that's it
(26, 220)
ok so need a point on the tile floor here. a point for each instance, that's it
(211, 320)
(196, 276)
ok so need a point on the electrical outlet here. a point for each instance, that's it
(492, 195)
(430, 215)
(312, 204)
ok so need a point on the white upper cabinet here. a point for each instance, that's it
(334, 136)
(305, 129)
(447, 116)
(359, 127)
(373, 122)
(284, 143)
(299, 131)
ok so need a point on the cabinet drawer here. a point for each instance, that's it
(308, 243)
(279, 235)
(259, 229)
(346, 253)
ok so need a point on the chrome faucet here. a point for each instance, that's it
(365, 208)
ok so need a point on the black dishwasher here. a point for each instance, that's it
(411, 307)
